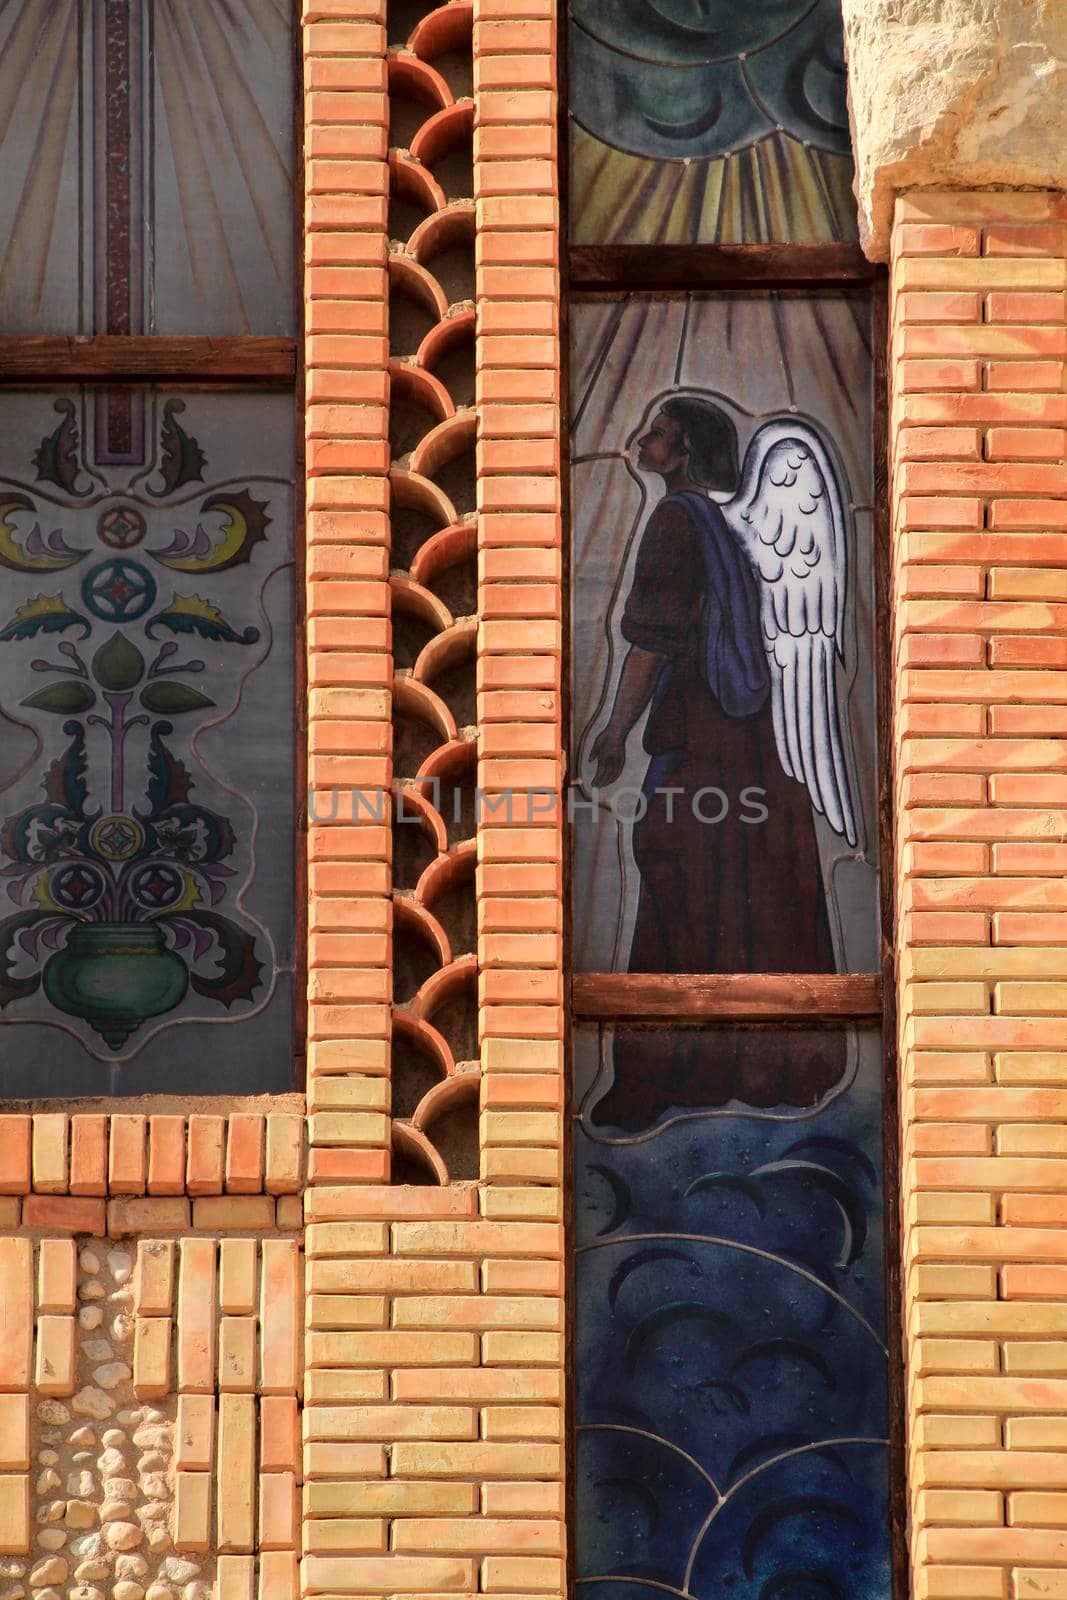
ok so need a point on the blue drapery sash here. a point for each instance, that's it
(732, 658)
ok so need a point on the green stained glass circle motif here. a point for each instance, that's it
(119, 590)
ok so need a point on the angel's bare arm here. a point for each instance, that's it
(637, 680)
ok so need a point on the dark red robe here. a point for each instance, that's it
(731, 896)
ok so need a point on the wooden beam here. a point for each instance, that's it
(733, 997)
(720, 266)
(118, 358)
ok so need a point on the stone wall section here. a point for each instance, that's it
(953, 94)
(149, 1393)
(103, 1491)
(979, 429)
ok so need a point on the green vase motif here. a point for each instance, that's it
(115, 976)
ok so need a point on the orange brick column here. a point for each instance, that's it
(433, 1357)
(980, 566)
(349, 664)
(346, 287)
(346, 114)
(519, 879)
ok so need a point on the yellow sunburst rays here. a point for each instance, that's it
(249, 138)
(38, 83)
(772, 196)
(256, 11)
(192, 169)
(836, 174)
(777, 189)
(204, 112)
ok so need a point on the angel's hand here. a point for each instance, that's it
(609, 753)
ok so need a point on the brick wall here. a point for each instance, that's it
(427, 1367)
(979, 411)
(150, 1352)
(433, 1393)
(348, 631)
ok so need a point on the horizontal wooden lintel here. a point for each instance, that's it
(733, 997)
(688, 266)
(170, 358)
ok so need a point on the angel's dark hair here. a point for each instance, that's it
(711, 439)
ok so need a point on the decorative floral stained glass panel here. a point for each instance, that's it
(708, 122)
(147, 747)
(147, 152)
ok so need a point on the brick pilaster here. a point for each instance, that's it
(349, 663)
(350, 672)
(520, 746)
(980, 570)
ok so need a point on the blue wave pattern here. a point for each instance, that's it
(730, 1353)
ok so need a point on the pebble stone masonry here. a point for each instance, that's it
(236, 1358)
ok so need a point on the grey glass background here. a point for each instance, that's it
(210, 168)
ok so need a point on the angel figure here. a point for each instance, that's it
(734, 622)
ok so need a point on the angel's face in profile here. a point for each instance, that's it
(662, 449)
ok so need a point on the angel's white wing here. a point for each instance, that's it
(789, 518)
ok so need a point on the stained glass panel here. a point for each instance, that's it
(147, 748)
(730, 1347)
(708, 122)
(723, 703)
(147, 151)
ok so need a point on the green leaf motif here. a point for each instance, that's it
(118, 664)
(56, 459)
(169, 780)
(190, 613)
(183, 461)
(63, 699)
(45, 613)
(65, 784)
(173, 699)
(12, 988)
